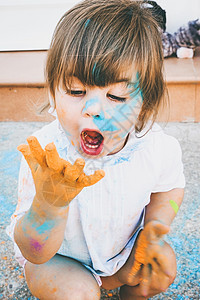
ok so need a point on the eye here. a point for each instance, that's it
(116, 98)
(75, 93)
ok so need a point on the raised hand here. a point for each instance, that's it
(56, 180)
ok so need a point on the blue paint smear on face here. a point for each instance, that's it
(106, 124)
(121, 114)
(116, 115)
(100, 116)
(90, 103)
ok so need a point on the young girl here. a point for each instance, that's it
(103, 182)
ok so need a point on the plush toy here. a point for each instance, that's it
(184, 41)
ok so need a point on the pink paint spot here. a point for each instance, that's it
(37, 246)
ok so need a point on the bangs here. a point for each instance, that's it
(101, 47)
(95, 74)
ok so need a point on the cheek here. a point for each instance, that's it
(62, 113)
(125, 116)
(61, 109)
(66, 113)
(65, 120)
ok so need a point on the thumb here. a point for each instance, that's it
(160, 229)
(154, 230)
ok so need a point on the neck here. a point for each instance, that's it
(120, 148)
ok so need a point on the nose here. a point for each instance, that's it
(93, 108)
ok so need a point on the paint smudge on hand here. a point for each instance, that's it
(57, 181)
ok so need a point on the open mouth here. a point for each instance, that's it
(91, 142)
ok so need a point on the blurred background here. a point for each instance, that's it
(29, 24)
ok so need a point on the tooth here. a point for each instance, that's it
(91, 146)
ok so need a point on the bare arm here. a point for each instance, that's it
(40, 232)
(163, 206)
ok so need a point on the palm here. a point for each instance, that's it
(56, 180)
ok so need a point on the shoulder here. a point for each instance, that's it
(158, 141)
(167, 145)
(158, 149)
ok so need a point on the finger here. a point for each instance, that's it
(87, 180)
(31, 161)
(163, 279)
(79, 164)
(73, 172)
(53, 159)
(159, 282)
(146, 279)
(161, 229)
(37, 150)
(134, 270)
(163, 263)
(136, 291)
(156, 230)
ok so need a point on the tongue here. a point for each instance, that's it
(93, 137)
(92, 134)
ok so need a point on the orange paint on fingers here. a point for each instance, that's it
(134, 270)
(36, 150)
(146, 280)
(53, 159)
(25, 150)
(91, 179)
(76, 169)
(80, 163)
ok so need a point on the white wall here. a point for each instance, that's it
(29, 24)
(179, 12)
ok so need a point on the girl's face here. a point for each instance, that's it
(97, 120)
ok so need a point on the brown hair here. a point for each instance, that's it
(97, 39)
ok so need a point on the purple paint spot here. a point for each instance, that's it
(36, 245)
